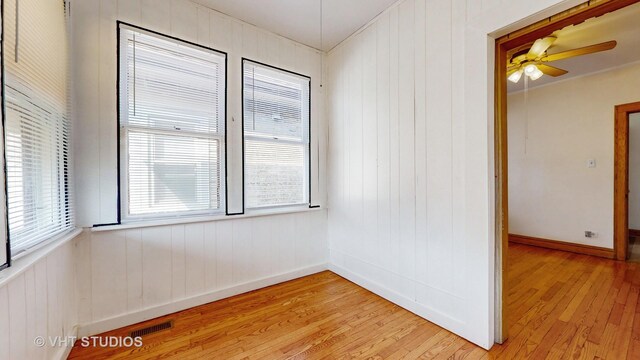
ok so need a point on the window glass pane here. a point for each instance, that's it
(172, 86)
(275, 103)
(170, 173)
(276, 130)
(37, 150)
(276, 173)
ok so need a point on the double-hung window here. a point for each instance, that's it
(37, 126)
(172, 118)
(276, 108)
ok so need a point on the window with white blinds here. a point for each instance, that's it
(172, 112)
(37, 125)
(276, 133)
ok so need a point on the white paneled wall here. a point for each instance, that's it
(126, 276)
(392, 161)
(410, 109)
(94, 46)
(39, 301)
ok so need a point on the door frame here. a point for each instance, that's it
(621, 178)
(504, 44)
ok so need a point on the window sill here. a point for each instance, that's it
(205, 218)
(32, 256)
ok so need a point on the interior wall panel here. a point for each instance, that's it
(392, 164)
(39, 301)
(134, 270)
(435, 168)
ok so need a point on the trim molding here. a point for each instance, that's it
(634, 232)
(153, 312)
(63, 352)
(562, 246)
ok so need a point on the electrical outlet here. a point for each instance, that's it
(589, 234)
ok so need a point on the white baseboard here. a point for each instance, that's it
(63, 352)
(436, 317)
(183, 304)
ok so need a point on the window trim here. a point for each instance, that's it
(120, 203)
(309, 202)
(5, 176)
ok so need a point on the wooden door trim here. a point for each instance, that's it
(513, 40)
(621, 178)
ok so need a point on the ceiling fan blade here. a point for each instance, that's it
(540, 46)
(550, 70)
(581, 51)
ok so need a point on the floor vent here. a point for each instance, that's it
(152, 329)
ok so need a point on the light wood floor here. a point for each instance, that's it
(562, 305)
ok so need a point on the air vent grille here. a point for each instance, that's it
(152, 329)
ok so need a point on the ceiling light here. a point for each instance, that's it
(530, 69)
(515, 77)
(536, 74)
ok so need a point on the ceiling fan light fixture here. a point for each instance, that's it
(515, 77)
(530, 69)
(536, 74)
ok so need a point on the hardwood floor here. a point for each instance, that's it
(562, 305)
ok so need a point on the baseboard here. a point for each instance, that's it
(432, 315)
(63, 352)
(183, 304)
(563, 246)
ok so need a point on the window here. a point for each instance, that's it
(276, 133)
(37, 125)
(172, 112)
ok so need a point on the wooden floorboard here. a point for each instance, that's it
(561, 305)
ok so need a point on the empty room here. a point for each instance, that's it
(320, 179)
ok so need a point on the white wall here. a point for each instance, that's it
(130, 275)
(634, 171)
(552, 193)
(394, 212)
(411, 191)
(38, 300)
(126, 276)
(94, 46)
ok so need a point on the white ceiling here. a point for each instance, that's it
(299, 20)
(622, 25)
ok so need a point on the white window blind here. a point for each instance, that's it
(276, 132)
(37, 127)
(172, 111)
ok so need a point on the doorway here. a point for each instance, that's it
(623, 117)
(506, 46)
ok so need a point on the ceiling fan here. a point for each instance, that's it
(532, 61)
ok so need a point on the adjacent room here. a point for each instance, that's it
(573, 149)
(319, 179)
